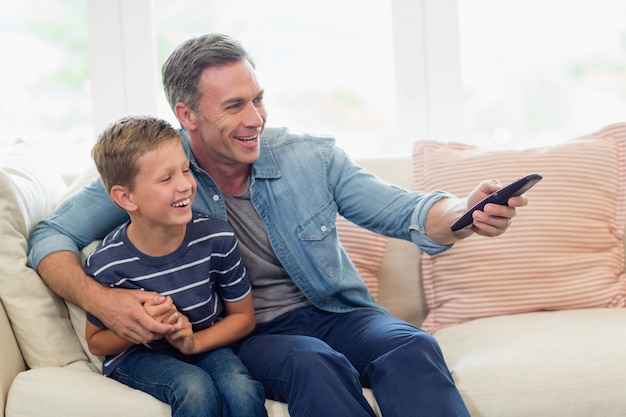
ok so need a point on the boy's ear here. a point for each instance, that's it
(121, 196)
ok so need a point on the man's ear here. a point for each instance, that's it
(186, 116)
(121, 196)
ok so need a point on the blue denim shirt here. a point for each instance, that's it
(298, 185)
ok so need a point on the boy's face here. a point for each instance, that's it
(164, 187)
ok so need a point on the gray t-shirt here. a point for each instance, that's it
(273, 291)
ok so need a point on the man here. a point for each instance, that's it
(320, 336)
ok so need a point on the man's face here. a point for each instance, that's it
(230, 117)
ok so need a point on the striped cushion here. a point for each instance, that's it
(366, 250)
(564, 249)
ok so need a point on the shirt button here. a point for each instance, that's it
(323, 228)
(216, 197)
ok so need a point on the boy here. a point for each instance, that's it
(190, 260)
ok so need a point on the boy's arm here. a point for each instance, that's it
(104, 342)
(238, 323)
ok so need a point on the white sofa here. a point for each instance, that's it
(547, 361)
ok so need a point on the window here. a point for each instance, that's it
(376, 74)
(45, 79)
(537, 72)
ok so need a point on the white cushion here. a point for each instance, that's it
(562, 363)
(29, 189)
(76, 390)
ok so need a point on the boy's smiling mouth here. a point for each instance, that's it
(182, 203)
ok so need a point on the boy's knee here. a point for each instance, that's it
(244, 386)
(194, 391)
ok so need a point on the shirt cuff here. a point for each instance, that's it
(48, 245)
(418, 224)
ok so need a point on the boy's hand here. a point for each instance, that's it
(182, 338)
(161, 309)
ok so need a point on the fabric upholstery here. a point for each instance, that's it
(29, 189)
(546, 363)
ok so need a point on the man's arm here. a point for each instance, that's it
(54, 245)
(120, 310)
(492, 221)
(421, 217)
(102, 341)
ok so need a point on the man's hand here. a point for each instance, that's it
(495, 218)
(120, 310)
(123, 312)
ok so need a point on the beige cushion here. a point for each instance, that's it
(76, 390)
(563, 251)
(400, 283)
(562, 363)
(29, 189)
(12, 362)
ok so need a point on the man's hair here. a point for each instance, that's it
(122, 143)
(181, 71)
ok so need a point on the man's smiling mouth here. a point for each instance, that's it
(247, 138)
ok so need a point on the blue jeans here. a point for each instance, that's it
(317, 361)
(212, 384)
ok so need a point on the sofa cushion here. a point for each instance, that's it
(75, 390)
(29, 189)
(558, 363)
(564, 250)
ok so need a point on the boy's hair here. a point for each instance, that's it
(120, 145)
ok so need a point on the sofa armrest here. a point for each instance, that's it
(11, 361)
